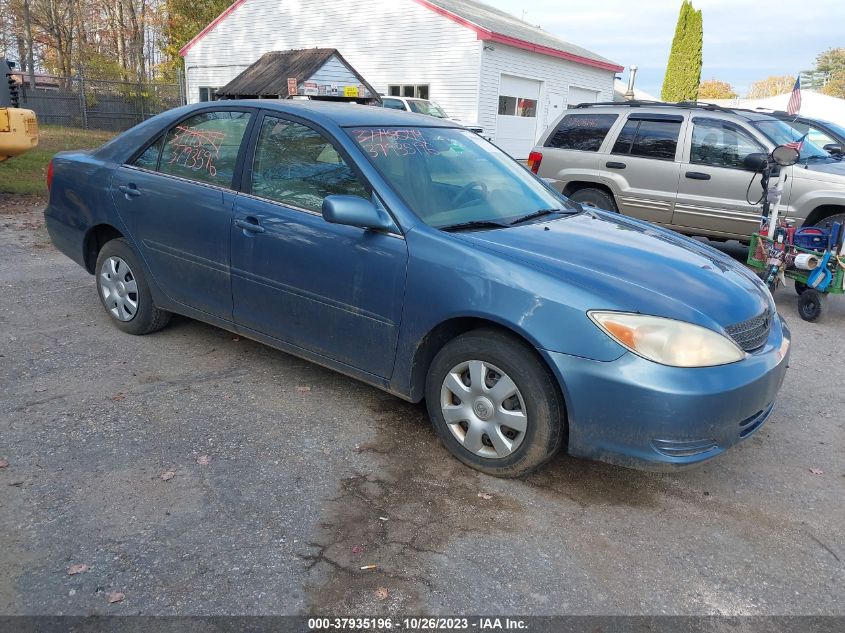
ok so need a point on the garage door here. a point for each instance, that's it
(581, 95)
(516, 124)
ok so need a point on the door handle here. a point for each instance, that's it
(130, 191)
(697, 175)
(615, 165)
(249, 224)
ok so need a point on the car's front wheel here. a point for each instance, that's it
(124, 292)
(494, 404)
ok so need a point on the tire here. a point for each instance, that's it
(810, 305)
(800, 287)
(124, 291)
(828, 221)
(476, 419)
(592, 197)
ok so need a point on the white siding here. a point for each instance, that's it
(556, 75)
(333, 72)
(387, 41)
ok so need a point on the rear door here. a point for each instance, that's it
(644, 163)
(175, 200)
(714, 182)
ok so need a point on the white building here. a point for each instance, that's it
(480, 64)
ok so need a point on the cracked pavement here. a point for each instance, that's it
(306, 488)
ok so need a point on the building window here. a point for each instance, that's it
(517, 106)
(207, 93)
(418, 91)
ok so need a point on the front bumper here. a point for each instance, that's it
(637, 413)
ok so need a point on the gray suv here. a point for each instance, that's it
(683, 166)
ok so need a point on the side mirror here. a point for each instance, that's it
(355, 211)
(833, 148)
(756, 161)
(785, 156)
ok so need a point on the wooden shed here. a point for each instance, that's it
(314, 73)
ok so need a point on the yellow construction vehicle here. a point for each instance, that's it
(18, 127)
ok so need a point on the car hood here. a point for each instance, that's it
(822, 171)
(634, 266)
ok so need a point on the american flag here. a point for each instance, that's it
(796, 144)
(794, 105)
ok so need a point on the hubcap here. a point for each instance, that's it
(119, 289)
(483, 409)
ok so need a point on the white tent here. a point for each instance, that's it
(813, 104)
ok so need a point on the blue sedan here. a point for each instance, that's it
(417, 257)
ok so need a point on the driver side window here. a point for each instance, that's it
(720, 144)
(298, 166)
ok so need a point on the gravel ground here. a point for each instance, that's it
(313, 476)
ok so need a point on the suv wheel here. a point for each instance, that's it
(592, 197)
(494, 404)
(828, 221)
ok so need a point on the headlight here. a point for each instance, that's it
(666, 341)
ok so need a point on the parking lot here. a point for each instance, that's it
(307, 478)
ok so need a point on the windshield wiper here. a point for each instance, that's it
(475, 224)
(540, 214)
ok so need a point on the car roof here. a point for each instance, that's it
(342, 114)
(652, 107)
(324, 113)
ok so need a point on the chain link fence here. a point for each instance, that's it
(97, 104)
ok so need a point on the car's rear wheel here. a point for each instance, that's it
(592, 197)
(124, 292)
(494, 404)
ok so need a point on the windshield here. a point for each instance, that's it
(421, 106)
(450, 177)
(781, 133)
(838, 129)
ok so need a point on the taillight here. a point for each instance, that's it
(50, 176)
(534, 160)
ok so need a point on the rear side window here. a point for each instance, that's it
(649, 138)
(298, 166)
(205, 147)
(149, 158)
(584, 132)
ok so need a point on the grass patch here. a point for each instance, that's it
(27, 173)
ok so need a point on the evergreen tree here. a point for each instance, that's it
(683, 72)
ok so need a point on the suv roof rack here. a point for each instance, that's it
(658, 104)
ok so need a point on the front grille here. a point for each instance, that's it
(751, 334)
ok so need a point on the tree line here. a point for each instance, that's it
(125, 40)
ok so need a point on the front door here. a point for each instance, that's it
(333, 290)
(175, 200)
(714, 182)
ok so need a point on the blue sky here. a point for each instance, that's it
(740, 41)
